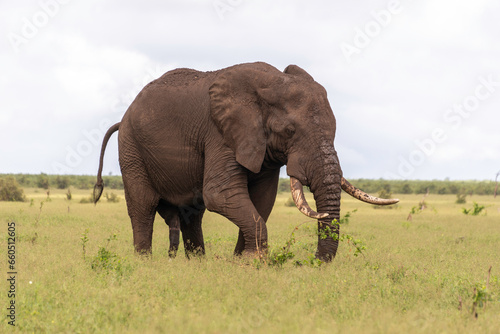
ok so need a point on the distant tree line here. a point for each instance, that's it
(415, 186)
(47, 181)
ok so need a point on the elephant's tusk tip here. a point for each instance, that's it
(362, 196)
(388, 201)
(393, 201)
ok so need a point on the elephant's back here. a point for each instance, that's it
(176, 104)
(167, 123)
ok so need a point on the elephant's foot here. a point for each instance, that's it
(252, 254)
(144, 253)
(195, 252)
(172, 252)
(240, 244)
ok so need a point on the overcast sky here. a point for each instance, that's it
(414, 85)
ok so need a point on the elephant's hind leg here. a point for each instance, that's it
(142, 201)
(171, 216)
(192, 233)
(141, 204)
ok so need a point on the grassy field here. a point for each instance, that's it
(77, 272)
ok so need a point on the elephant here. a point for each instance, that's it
(192, 141)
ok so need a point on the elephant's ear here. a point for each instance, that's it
(236, 99)
(295, 70)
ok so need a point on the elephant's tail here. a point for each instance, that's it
(98, 188)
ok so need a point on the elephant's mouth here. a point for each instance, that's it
(303, 206)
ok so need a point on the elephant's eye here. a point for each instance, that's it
(290, 130)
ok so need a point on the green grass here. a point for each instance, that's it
(410, 278)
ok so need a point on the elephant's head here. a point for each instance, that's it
(271, 118)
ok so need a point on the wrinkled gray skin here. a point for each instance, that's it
(193, 140)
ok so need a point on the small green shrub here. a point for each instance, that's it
(84, 240)
(106, 262)
(345, 220)
(11, 191)
(277, 258)
(415, 209)
(475, 211)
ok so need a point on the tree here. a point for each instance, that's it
(10, 190)
(42, 181)
(496, 184)
(406, 189)
(62, 182)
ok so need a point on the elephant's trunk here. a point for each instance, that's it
(329, 206)
(326, 188)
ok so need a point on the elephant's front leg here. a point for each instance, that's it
(226, 192)
(262, 188)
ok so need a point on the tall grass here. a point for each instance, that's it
(425, 276)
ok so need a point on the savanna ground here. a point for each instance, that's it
(77, 272)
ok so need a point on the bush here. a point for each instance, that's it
(112, 197)
(11, 191)
(107, 262)
(42, 181)
(384, 193)
(476, 209)
(87, 200)
(62, 182)
(289, 202)
(461, 199)
(406, 189)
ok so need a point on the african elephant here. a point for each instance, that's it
(193, 140)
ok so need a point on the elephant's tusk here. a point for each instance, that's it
(362, 196)
(300, 200)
